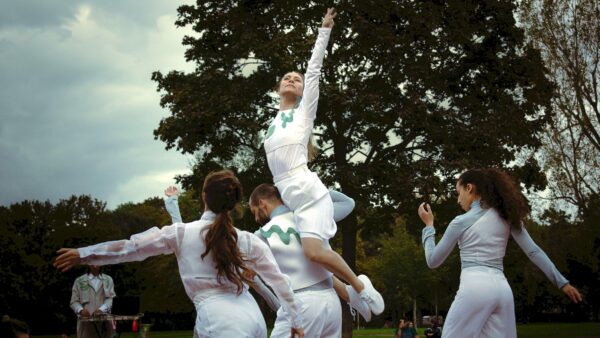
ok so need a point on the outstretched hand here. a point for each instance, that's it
(572, 293)
(328, 19)
(426, 214)
(67, 258)
(171, 191)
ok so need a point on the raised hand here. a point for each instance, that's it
(426, 214)
(572, 293)
(171, 191)
(67, 258)
(328, 19)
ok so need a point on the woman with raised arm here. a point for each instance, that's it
(288, 148)
(213, 257)
(495, 209)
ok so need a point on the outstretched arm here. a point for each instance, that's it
(152, 242)
(172, 204)
(310, 95)
(542, 261)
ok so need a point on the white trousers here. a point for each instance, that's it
(483, 306)
(309, 199)
(229, 315)
(321, 316)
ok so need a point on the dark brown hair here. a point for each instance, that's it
(264, 191)
(222, 192)
(499, 191)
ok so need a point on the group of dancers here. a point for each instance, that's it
(290, 252)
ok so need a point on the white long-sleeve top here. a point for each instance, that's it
(482, 236)
(289, 132)
(199, 276)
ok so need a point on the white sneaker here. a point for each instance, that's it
(371, 296)
(358, 303)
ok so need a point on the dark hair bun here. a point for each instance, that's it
(223, 195)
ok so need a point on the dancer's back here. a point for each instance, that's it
(484, 242)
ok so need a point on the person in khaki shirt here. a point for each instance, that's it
(92, 295)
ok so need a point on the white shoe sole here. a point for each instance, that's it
(378, 305)
(365, 312)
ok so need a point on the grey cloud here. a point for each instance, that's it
(77, 114)
(38, 14)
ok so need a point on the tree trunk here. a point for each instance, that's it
(415, 311)
(436, 304)
(348, 227)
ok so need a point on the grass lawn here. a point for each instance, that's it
(542, 330)
(545, 330)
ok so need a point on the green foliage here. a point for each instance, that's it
(409, 88)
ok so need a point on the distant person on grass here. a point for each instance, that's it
(406, 329)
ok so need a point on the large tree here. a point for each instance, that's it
(412, 92)
(568, 34)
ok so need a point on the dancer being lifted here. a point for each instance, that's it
(495, 209)
(286, 144)
(213, 257)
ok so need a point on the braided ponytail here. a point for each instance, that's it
(222, 193)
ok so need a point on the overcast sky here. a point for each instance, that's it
(77, 106)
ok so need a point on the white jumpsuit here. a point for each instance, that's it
(221, 312)
(484, 304)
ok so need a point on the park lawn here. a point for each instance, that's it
(542, 330)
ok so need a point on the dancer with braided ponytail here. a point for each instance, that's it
(213, 257)
(495, 209)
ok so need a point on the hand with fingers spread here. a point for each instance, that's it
(67, 258)
(171, 191)
(426, 214)
(328, 19)
(572, 293)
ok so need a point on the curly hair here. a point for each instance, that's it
(499, 191)
(222, 193)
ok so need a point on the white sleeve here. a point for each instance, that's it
(435, 255)
(151, 242)
(261, 260)
(342, 205)
(266, 293)
(310, 95)
(75, 299)
(172, 206)
(538, 257)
